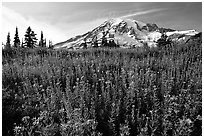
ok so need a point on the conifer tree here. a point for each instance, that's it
(30, 38)
(50, 44)
(45, 42)
(16, 39)
(34, 39)
(41, 42)
(8, 41)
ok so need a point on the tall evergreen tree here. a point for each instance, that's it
(16, 39)
(45, 42)
(34, 39)
(50, 44)
(8, 41)
(30, 38)
(41, 42)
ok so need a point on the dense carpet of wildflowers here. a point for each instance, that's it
(103, 91)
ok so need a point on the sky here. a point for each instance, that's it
(60, 21)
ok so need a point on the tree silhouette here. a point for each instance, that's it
(16, 39)
(42, 40)
(8, 41)
(104, 41)
(84, 44)
(50, 44)
(112, 43)
(30, 38)
(95, 44)
(34, 39)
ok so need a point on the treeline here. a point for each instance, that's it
(30, 40)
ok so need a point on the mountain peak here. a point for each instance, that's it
(124, 32)
(115, 20)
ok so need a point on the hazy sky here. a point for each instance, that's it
(62, 20)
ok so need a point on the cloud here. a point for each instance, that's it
(11, 19)
(58, 32)
(141, 13)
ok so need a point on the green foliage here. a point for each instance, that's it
(93, 92)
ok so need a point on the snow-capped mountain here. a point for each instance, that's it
(126, 33)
